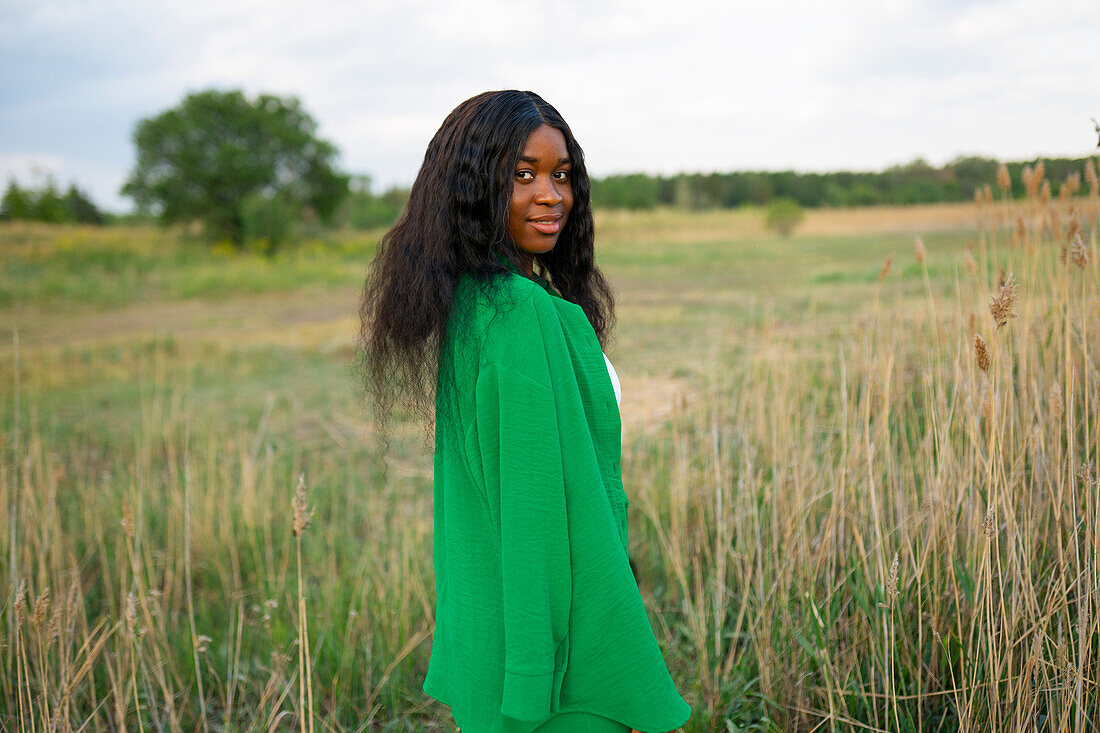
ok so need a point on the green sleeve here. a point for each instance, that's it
(521, 460)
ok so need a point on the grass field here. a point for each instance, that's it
(840, 521)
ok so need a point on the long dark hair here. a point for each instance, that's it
(455, 222)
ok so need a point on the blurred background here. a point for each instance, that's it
(810, 87)
(853, 246)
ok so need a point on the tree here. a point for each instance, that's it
(216, 154)
(363, 210)
(783, 215)
(80, 208)
(48, 204)
(16, 203)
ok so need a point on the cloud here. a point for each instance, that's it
(646, 85)
(31, 169)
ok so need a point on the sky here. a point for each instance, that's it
(646, 85)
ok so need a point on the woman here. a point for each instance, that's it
(539, 625)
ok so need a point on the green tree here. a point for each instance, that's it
(216, 154)
(79, 207)
(16, 203)
(783, 215)
(48, 205)
(364, 210)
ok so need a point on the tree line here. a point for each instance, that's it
(361, 208)
(917, 182)
(45, 203)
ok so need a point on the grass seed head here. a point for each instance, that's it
(988, 524)
(21, 602)
(302, 513)
(1054, 397)
(1079, 253)
(919, 251)
(1086, 474)
(131, 611)
(971, 264)
(53, 629)
(1002, 304)
(41, 605)
(1073, 223)
(892, 581)
(981, 352)
(885, 268)
(1004, 181)
(1036, 647)
(1072, 185)
(1091, 177)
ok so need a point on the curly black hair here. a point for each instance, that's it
(455, 222)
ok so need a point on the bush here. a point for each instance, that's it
(783, 216)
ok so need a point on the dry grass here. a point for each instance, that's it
(675, 226)
(966, 471)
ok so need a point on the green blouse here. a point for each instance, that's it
(537, 611)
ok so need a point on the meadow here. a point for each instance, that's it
(847, 514)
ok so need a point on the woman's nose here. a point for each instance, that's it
(547, 193)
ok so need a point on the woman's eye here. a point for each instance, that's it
(521, 175)
(562, 175)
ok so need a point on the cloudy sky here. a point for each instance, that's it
(647, 85)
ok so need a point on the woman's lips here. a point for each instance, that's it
(547, 225)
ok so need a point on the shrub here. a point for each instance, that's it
(783, 216)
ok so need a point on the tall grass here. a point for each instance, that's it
(880, 517)
(173, 585)
(900, 534)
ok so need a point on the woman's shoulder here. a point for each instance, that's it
(501, 300)
(504, 316)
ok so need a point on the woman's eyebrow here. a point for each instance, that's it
(529, 159)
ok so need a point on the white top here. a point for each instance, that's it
(614, 381)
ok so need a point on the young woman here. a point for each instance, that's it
(485, 295)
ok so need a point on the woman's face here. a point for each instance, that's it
(542, 193)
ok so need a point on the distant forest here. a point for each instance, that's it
(913, 183)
